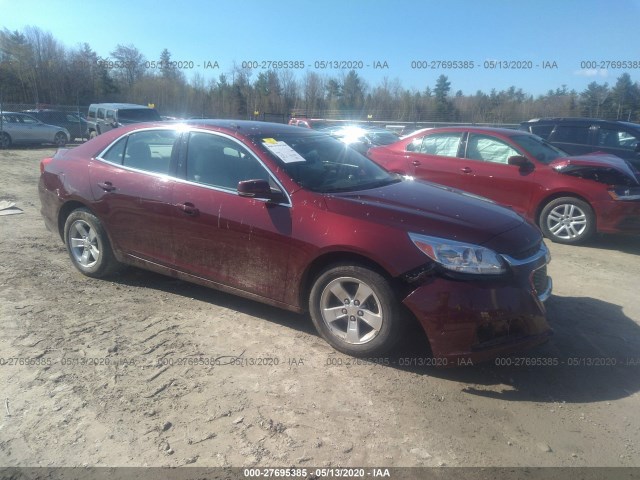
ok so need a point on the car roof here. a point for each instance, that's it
(470, 128)
(118, 105)
(248, 127)
(236, 127)
(580, 120)
(348, 128)
(22, 114)
(629, 124)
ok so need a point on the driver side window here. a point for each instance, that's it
(220, 162)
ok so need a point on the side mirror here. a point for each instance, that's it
(259, 189)
(520, 161)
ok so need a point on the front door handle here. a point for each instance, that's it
(107, 186)
(188, 208)
(415, 163)
(466, 170)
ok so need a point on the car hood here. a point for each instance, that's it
(422, 207)
(594, 162)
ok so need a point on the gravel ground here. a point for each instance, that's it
(118, 372)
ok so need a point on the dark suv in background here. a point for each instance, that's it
(102, 117)
(578, 136)
(73, 122)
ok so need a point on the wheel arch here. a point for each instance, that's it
(549, 198)
(333, 258)
(66, 210)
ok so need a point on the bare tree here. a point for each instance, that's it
(129, 63)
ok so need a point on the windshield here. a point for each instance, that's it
(138, 114)
(322, 164)
(539, 148)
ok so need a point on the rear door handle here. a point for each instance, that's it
(415, 163)
(107, 186)
(188, 208)
(466, 170)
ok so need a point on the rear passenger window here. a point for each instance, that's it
(220, 162)
(570, 134)
(442, 144)
(150, 151)
(116, 153)
(414, 146)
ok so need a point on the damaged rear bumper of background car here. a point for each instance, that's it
(474, 321)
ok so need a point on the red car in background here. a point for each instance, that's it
(296, 219)
(570, 198)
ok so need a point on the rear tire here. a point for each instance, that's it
(568, 220)
(88, 245)
(5, 140)
(355, 310)
(60, 139)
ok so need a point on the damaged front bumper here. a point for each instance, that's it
(478, 320)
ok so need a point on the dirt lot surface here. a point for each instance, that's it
(117, 372)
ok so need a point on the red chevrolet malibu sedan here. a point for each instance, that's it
(294, 218)
(570, 198)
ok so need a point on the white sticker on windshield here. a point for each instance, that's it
(284, 152)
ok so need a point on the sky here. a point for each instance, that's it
(412, 41)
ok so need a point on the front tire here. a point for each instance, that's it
(88, 245)
(355, 310)
(568, 220)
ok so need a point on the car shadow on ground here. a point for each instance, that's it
(623, 243)
(135, 277)
(594, 354)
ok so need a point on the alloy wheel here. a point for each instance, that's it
(84, 244)
(567, 221)
(351, 310)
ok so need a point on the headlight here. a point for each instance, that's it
(458, 256)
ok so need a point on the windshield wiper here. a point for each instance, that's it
(365, 186)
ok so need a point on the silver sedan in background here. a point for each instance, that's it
(18, 128)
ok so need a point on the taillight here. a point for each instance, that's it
(43, 163)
